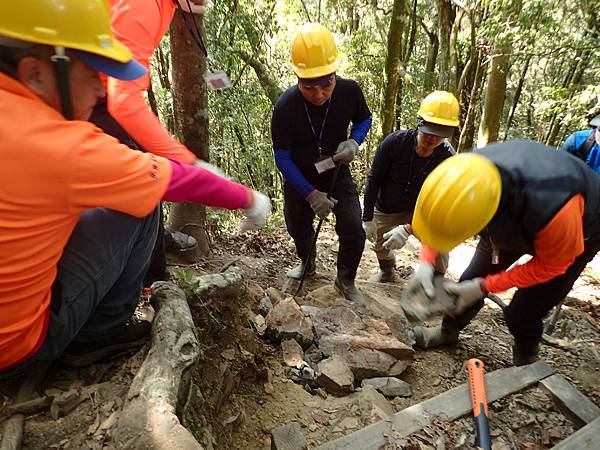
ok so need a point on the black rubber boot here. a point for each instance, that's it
(525, 352)
(302, 249)
(434, 336)
(386, 272)
(132, 336)
(344, 282)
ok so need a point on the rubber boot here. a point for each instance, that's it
(386, 272)
(433, 336)
(525, 352)
(302, 249)
(344, 282)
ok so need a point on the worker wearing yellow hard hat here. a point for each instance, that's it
(78, 210)
(401, 163)
(521, 197)
(310, 137)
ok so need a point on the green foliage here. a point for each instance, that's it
(549, 36)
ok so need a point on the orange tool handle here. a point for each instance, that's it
(478, 397)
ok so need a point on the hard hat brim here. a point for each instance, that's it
(129, 70)
(436, 130)
(315, 72)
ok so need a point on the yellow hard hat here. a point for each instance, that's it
(440, 107)
(457, 200)
(72, 24)
(313, 50)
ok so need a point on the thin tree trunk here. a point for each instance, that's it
(494, 96)
(468, 130)
(392, 63)
(190, 105)
(453, 49)
(269, 84)
(432, 51)
(445, 13)
(517, 95)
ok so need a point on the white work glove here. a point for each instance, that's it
(320, 204)
(258, 213)
(396, 237)
(370, 228)
(210, 168)
(422, 279)
(346, 151)
(467, 293)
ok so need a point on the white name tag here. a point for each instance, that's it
(324, 165)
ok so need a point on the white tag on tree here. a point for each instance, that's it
(217, 80)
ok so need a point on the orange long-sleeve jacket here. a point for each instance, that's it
(556, 247)
(140, 25)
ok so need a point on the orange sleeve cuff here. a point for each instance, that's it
(556, 247)
(428, 255)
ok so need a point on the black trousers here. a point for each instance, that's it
(299, 218)
(529, 306)
(103, 120)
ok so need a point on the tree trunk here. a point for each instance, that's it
(467, 134)
(517, 95)
(494, 96)
(454, 65)
(190, 105)
(269, 84)
(445, 19)
(392, 63)
(432, 51)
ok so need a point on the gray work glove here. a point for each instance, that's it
(370, 228)
(346, 151)
(257, 214)
(396, 237)
(467, 293)
(320, 204)
(422, 279)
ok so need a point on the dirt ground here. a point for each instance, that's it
(241, 387)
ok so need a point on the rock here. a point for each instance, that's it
(313, 355)
(288, 437)
(292, 353)
(389, 386)
(259, 323)
(368, 404)
(274, 295)
(398, 368)
(335, 376)
(254, 290)
(265, 305)
(341, 328)
(368, 363)
(286, 321)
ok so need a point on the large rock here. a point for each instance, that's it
(389, 386)
(367, 345)
(335, 376)
(286, 321)
(288, 437)
(370, 405)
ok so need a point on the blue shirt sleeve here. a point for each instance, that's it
(359, 130)
(291, 172)
(570, 145)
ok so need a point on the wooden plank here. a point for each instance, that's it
(451, 404)
(571, 402)
(586, 438)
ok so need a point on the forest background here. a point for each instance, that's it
(520, 69)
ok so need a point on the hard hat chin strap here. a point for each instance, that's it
(61, 66)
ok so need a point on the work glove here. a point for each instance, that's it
(467, 293)
(396, 238)
(210, 168)
(320, 204)
(257, 214)
(370, 228)
(346, 151)
(422, 279)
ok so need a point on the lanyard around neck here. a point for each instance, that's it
(318, 138)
